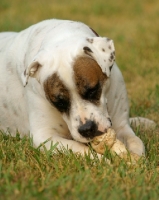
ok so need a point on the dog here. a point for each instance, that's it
(59, 84)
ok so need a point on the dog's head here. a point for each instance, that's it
(75, 82)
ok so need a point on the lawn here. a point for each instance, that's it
(27, 173)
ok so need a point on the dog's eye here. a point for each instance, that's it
(92, 93)
(62, 104)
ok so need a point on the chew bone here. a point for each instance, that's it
(108, 140)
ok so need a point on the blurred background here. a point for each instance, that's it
(133, 25)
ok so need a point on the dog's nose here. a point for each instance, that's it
(88, 129)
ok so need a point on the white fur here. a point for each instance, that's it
(28, 58)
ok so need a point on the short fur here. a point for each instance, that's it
(59, 82)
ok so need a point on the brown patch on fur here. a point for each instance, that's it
(57, 93)
(90, 40)
(88, 75)
(109, 47)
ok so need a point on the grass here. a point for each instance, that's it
(27, 173)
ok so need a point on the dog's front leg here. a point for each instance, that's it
(118, 108)
(131, 141)
(48, 138)
(40, 139)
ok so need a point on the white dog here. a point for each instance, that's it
(59, 83)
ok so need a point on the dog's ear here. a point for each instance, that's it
(102, 50)
(33, 69)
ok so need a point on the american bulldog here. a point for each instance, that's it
(59, 84)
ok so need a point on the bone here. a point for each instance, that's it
(109, 141)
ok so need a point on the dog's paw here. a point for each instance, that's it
(135, 145)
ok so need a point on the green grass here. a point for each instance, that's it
(27, 173)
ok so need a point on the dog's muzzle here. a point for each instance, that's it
(89, 129)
